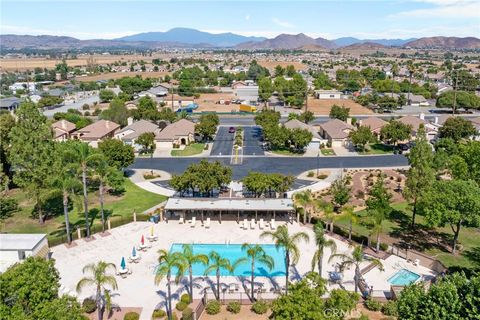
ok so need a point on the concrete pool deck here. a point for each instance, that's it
(139, 290)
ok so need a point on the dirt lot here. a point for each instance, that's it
(272, 64)
(322, 106)
(207, 102)
(118, 75)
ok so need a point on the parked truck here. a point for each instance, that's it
(247, 108)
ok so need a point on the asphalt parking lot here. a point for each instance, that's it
(223, 143)
(252, 141)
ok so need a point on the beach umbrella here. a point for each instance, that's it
(143, 240)
(123, 265)
(134, 252)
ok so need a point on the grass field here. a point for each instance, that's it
(286, 152)
(377, 148)
(190, 150)
(327, 152)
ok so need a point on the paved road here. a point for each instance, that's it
(223, 144)
(252, 143)
(285, 165)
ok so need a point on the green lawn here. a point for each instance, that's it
(286, 152)
(327, 152)
(430, 241)
(190, 150)
(134, 198)
(377, 148)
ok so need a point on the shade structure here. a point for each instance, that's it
(123, 265)
(142, 241)
(134, 252)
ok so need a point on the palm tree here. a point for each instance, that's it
(349, 213)
(102, 173)
(328, 213)
(100, 279)
(321, 243)
(355, 259)
(289, 243)
(168, 263)
(256, 253)
(216, 262)
(189, 259)
(304, 199)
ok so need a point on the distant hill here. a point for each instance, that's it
(288, 41)
(192, 36)
(445, 43)
(364, 46)
(346, 41)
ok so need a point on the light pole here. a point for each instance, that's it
(318, 162)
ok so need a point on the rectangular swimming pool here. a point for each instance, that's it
(233, 252)
(403, 277)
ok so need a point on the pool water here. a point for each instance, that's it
(403, 277)
(233, 252)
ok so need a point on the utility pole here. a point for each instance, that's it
(306, 96)
(454, 107)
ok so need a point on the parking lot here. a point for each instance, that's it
(223, 143)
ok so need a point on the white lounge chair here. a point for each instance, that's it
(252, 224)
(181, 221)
(273, 225)
(207, 223)
(193, 222)
(245, 224)
(416, 262)
(261, 224)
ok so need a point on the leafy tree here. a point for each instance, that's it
(340, 113)
(30, 151)
(7, 206)
(7, 122)
(260, 183)
(207, 126)
(267, 118)
(265, 89)
(296, 92)
(464, 100)
(48, 101)
(147, 141)
(62, 308)
(146, 109)
(289, 243)
(279, 71)
(116, 112)
(463, 163)
(457, 128)
(132, 85)
(340, 192)
(378, 205)
(256, 71)
(300, 138)
(99, 278)
(167, 114)
(362, 136)
(395, 131)
(322, 81)
(342, 300)
(306, 116)
(256, 253)
(290, 71)
(216, 263)
(452, 202)
(321, 242)
(189, 259)
(106, 95)
(118, 154)
(62, 68)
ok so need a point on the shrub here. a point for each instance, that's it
(181, 306)
(212, 307)
(159, 314)
(89, 305)
(233, 307)
(260, 307)
(185, 298)
(390, 309)
(322, 176)
(131, 316)
(310, 174)
(97, 111)
(383, 246)
(86, 113)
(373, 305)
(399, 179)
(187, 314)
(85, 106)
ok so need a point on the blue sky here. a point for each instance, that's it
(329, 19)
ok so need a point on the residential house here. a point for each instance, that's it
(23, 86)
(417, 100)
(297, 124)
(63, 129)
(336, 132)
(56, 92)
(9, 104)
(476, 124)
(328, 94)
(415, 122)
(157, 91)
(131, 132)
(16, 247)
(178, 133)
(246, 91)
(375, 124)
(96, 132)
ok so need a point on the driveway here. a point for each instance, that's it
(223, 143)
(252, 141)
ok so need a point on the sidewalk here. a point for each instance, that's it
(138, 179)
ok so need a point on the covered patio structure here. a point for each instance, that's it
(229, 208)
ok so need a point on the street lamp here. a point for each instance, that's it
(318, 162)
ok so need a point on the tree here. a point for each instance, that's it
(146, 109)
(464, 160)
(106, 95)
(362, 136)
(340, 113)
(378, 205)
(452, 202)
(340, 192)
(256, 71)
(321, 242)
(30, 153)
(260, 183)
(116, 112)
(216, 263)
(296, 92)
(265, 89)
(290, 71)
(207, 126)
(464, 100)
(279, 71)
(289, 243)
(168, 262)
(305, 200)
(420, 175)
(300, 138)
(117, 153)
(147, 141)
(266, 118)
(132, 85)
(62, 68)
(355, 259)
(395, 131)
(306, 116)
(99, 277)
(7, 122)
(189, 259)
(256, 253)
(457, 128)
(349, 213)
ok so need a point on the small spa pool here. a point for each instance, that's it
(403, 277)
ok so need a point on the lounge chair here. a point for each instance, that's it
(193, 222)
(416, 262)
(273, 225)
(181, 221)
(207, 223)
(252, 224)
(245, 224)
(261, 224)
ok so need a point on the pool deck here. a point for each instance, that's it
(138, 289)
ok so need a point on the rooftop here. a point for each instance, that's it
(229, 204)
(297, 124)
(180, 128)
(97, 130)
(20, 241)
(337, 129)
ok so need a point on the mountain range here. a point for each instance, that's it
(191, 38)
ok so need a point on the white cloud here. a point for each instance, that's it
(247, 17)
(282, 23)
(443, 9)
(460, 31)
(11, 29)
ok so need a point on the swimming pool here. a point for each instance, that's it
(403, 277)
(233, 252)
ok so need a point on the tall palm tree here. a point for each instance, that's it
(289, 243)
(349, 213)
(256, 253)
(102, 172)
(355, 259)
(304, 199)
(189, 259)
(99, 278)
(216, 263)
(328, 213)
(168, 263)
(321, 243)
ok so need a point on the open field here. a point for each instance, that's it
(323, 106)
(118, 75)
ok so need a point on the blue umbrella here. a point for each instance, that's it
(123, 265)
(134, 252)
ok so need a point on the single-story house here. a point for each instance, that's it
(63, 129)
(25, 86)
(297, 124)
(131, 132)
(245, 91)
(157, 91)
(336, 132)
(56, 92)
(328, 94)
(417, 100)
(16, 247)
(96, 132)
(374, 123)
(9, 104)
(178, 133)
(430, 129)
